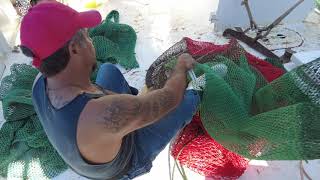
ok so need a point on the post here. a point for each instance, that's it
(4, 46)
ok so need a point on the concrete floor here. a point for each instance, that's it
(159, 24)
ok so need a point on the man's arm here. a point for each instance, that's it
(122, 114)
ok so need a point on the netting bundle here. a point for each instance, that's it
(250, 109)
(195, 149)
(115, 42)
(25, 151)
(276, 122)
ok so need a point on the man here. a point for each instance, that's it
(100, 129)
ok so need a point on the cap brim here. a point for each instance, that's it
(89, 19)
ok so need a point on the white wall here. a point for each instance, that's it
(230, 13)
(4, 46)
(8, 23)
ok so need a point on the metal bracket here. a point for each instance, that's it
(241, 36)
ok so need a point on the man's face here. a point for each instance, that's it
(88, 51)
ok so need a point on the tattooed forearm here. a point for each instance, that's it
(124, 113)
(139, 111)
(160, 103)
(119, 112)
(129, 113)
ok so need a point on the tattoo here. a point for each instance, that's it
(120, 113)
(158, 105)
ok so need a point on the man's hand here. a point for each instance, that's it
(185, 62)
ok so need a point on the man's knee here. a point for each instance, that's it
(188, 106)
(108, 68)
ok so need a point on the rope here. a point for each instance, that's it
(303, 172)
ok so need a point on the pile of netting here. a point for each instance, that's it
(25, 152)
(115, 42)
(195, 149)
(318, 4)
(249, 106)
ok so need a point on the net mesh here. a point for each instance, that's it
(115, 42)
(25, 152)
(203, 52)
(252, 110)
(275, 122)
(195, 149)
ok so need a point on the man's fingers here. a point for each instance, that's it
(190, 65)
(186, 60)
(185, 56)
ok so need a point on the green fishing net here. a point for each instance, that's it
(242, 111)
(276, 121)
(25, 152)
(114, 42)
(279, 121)
(318, 4)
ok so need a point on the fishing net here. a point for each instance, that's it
(203, 52)
(25, 152)
(318, 4)
(243, 110)
(195, 149)
(115, 42)
(22, 6)
(275, 122)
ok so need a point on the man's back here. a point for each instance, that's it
(60, 125)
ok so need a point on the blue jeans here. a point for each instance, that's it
(152, 139)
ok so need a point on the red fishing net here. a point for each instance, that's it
(199, 152)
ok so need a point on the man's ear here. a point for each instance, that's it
(74, 48)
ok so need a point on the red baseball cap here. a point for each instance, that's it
(50, 25)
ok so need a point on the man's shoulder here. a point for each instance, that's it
(36, 79)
